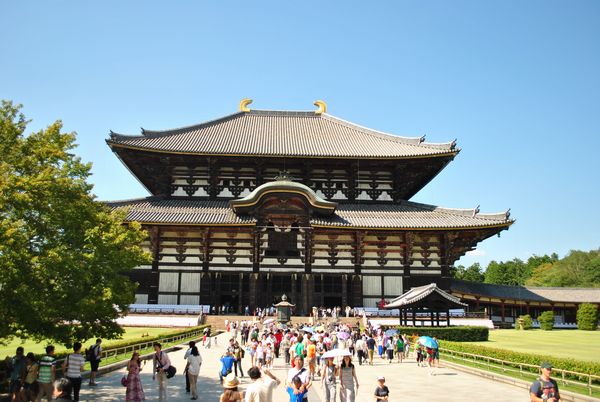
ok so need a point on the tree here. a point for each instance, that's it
(63, 255)
(472, 273)
(506, 273)
(576, 269)
(587, 317)
(546, 320)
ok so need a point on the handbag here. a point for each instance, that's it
(124, 381)
(171, 371)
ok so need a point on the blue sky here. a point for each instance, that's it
(517, 83)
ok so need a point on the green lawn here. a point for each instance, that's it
(38, 347)
(581, 345)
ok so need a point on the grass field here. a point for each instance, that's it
(581, 345)
(38, 347)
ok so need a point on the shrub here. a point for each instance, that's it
(456, 334)
(587, 317)
(579, 366)
(527, 322)
(546, 320)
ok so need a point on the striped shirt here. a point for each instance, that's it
(75, 362)
(46, 364)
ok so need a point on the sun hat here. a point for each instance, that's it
(381, 378)
(546, 365)
(231, 381)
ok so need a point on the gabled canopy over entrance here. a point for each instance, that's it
(283, 187)
(428, 298)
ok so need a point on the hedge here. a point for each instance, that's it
(457, 334)
(124, 343)
(546, 320)
(527, 322)
(579, 366)
(587, 317)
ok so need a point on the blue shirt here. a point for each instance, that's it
(295, 397)
(18, 366)
(227, 362)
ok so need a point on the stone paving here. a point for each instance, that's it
(406, 382)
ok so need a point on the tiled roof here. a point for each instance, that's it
(402, 215)
(530, 293)
(419, 293)
(277, 133)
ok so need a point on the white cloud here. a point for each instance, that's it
(476, 253)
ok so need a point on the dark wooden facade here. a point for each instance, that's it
(375, 245)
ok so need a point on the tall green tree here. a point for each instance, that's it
(63, 256)
(473, 273)
(576, 269)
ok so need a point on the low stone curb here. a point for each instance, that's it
(565, 395)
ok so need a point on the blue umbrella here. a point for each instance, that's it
(391, 332)
(309, 330)
(428, 342)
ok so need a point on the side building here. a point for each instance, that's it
(259, 203)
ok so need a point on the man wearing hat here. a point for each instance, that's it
(544, 389)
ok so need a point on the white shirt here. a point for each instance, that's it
(261, 390)
(195, 362)
(294, 372)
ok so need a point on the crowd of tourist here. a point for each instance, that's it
(313, 355)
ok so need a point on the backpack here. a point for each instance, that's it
(90, 354)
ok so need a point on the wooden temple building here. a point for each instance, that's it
(259, 203)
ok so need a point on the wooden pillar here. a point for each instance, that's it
(447, 318)
(154, 274)
(304, 293)
(294, 295)
(344, 291)
(240, 293)
(252, 289)
(432, 319)
(477, 303)
(502, 309)
(308, 246)
(437, 318)
(179, 288)
(414, 317)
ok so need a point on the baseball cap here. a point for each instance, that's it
(381, 378)
(546, 365)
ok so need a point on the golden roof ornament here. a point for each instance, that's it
(244, 105)
(322, 107)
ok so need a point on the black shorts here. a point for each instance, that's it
(15, 386)
(94, 365)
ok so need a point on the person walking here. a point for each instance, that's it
(382, 392)
(238, 354)
(73, 366)
(160, 363)
(227, 361)
(400, 348)
(285, 346)
(302, 373)
(95, 354)
(348, 380)
(370, 348)
(544, 389)
(30, 384)
(329, 376)
(231, 392)
(261, 389)
(16, 367)
(134, 391)
(194, 361)
(191, 344)
(47, 374)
